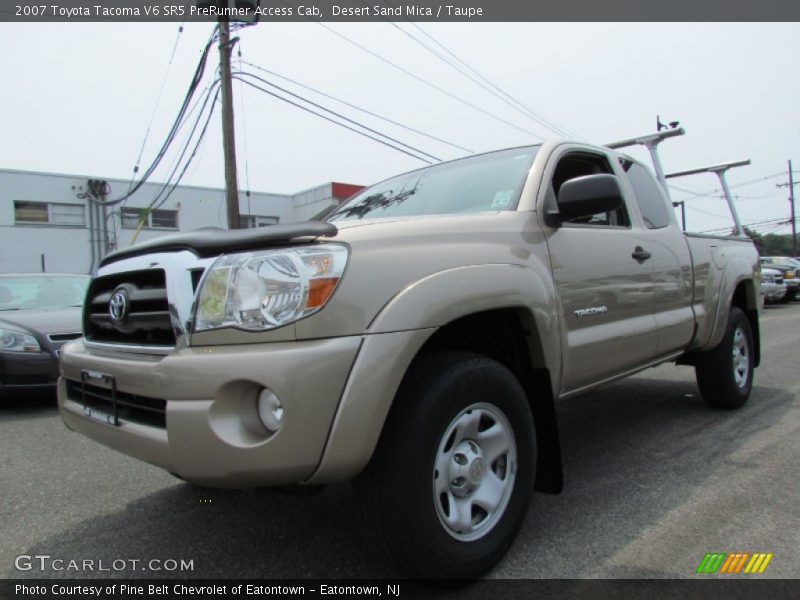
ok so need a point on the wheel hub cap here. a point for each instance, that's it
(474, 471)
(466, 468)
(741, 359)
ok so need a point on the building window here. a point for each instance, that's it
(130, 217)
(156, 219)
(253, 221)
(45, 213)
(164, 219)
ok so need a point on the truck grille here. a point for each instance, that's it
(146, 319)
(130, 407)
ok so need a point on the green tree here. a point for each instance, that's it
(770, 244)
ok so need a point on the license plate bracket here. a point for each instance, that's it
(101, 380)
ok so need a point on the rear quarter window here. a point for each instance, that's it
(649, 197)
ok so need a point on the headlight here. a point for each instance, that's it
(12, 340)
(263, 290)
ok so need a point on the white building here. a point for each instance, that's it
(46, 219)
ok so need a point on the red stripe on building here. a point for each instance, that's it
(343, 191)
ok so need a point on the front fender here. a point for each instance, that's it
(404, 324)
(443, 297)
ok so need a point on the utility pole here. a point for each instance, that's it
(228, 136)
(790, 185)
(683, 213)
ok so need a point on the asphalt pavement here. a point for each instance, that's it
(654, 480)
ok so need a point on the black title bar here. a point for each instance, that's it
(474, 11)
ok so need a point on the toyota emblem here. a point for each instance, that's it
(118, 306)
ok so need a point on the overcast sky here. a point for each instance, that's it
(78, 98)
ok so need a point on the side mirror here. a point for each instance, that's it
(585, 196)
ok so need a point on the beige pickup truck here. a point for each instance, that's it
(414, 342)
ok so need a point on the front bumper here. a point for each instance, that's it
(773, 291)
(212, 435)
(27, 371)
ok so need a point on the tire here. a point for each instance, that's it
(450, 481)
(725, 374)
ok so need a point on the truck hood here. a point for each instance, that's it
(212, 241)
(431, 221)
(387, 232)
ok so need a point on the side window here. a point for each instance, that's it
(578, 165)
(648, 194)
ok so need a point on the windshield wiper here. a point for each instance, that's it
(374, 202)
(3, 309)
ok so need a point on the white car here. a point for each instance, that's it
(773, 285)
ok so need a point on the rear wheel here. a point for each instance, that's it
(450, 481)
(725, 374)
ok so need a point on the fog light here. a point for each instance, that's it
(270, 410)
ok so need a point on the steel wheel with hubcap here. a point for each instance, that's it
(474, 472)
(725, 373)
(451, 478)
(741, 358)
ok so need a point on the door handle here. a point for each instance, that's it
(640, 254)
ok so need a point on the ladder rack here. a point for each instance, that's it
(651, 142)
(719, 170)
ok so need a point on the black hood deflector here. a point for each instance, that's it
(214, 241)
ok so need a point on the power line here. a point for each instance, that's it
(755, 225)
(158, 102)
(558, 128)
(157, 203)
(176, 125)
(351, 105)
(340, 116)
(417, 77)
(476, 77)
(168, 187)
(200, 100)
(750, 225)
(683, 189)
(340, 124)
(716, 191)
(706, 212)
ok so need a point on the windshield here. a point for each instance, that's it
(489, 182)
(780, 260)
(42, 291)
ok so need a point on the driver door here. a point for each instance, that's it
(604, 281)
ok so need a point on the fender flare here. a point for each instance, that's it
(736, 272)
(404, 324)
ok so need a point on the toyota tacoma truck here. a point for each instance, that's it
(415, 341)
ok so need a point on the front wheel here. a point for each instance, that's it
(725, 373)
(450, 481)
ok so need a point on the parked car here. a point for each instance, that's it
(39, 313)
(791, 273)
(772, 285)
(415, 341)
